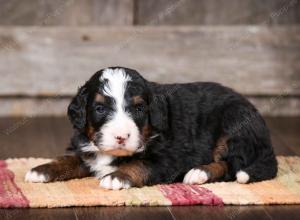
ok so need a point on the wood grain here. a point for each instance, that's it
(219, 213)
(277, 105)
(43, 214)
(287, 130)
(215, 12)
(148, 12)
(66, 12)
(280, 212)
(55, 61)
(34, 137)
(117, 213)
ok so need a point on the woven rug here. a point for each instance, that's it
(14, 192)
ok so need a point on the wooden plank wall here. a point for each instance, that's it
(66, 12)
(49, 47)
(217, 12)
(60, 59)
(148, 12)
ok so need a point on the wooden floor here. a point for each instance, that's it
(48, 137)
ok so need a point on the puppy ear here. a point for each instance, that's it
(77, 109)
(159, 112)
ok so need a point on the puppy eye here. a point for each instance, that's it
(139, 108)
(100, 109)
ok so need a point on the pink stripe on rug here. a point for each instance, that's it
(181, 194)
(10, 194)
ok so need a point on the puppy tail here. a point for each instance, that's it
(263, 168)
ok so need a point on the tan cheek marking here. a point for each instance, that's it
(137, 172)
(146, 131)
(90, 132)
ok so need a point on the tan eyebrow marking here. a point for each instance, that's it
(137, 100)
(99, 98)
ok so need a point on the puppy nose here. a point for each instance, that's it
(122, 138)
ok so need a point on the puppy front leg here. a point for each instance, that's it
(128, 175)
(63, 168)
(206, 173)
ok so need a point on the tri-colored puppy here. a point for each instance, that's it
(132, 132)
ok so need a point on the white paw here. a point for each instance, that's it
(195, 176)
(35, 177)
(115, 183)
(242, 177)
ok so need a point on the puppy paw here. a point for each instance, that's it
(41, 174)
(36, 177)
(242, 177)
(195, 176)
(115, 181)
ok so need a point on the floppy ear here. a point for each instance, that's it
(77, 109)
(159, 112)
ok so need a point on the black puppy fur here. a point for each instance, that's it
(184, 123)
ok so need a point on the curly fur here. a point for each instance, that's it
(184, 124)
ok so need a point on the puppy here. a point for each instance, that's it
(130, 132)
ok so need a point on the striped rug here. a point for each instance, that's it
(14, 192)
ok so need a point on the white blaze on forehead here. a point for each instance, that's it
(120, 123)
(116, 85)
